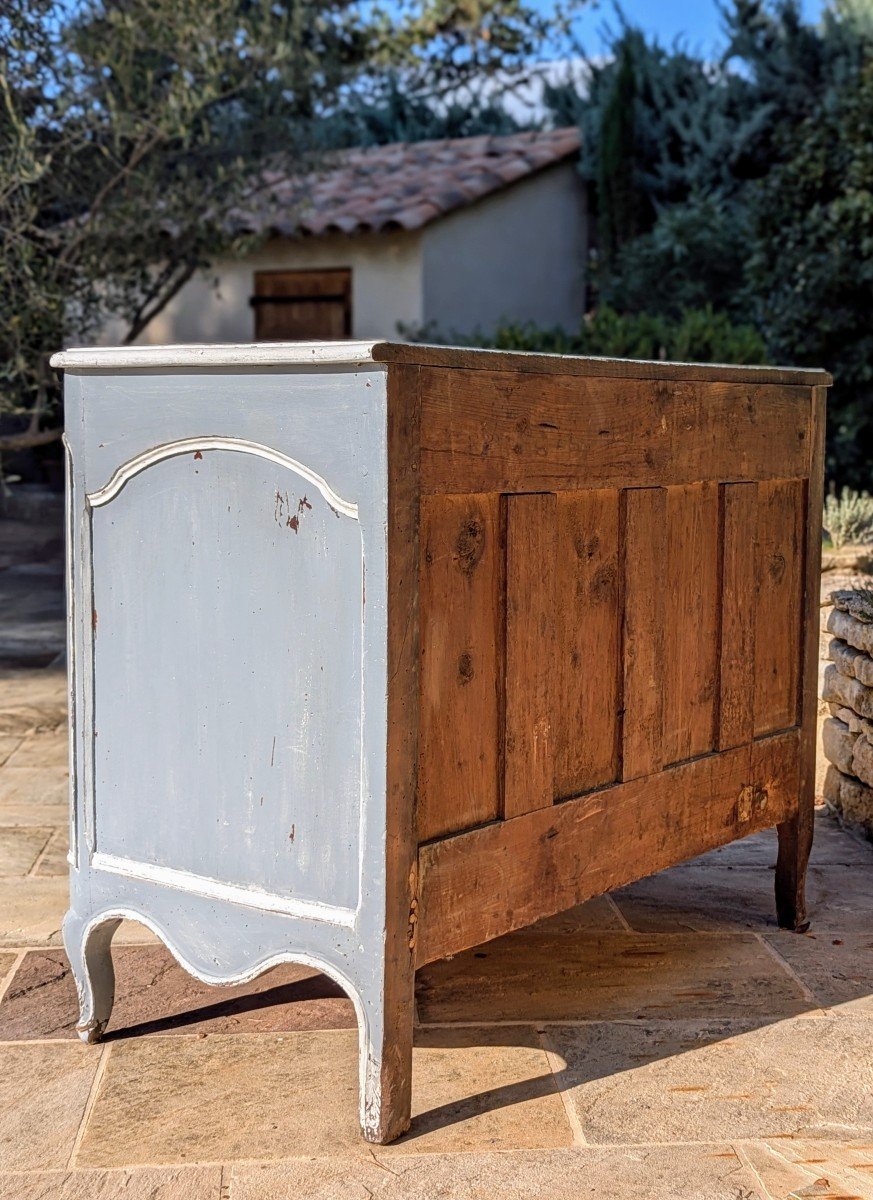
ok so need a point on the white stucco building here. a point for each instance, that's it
(453, 235)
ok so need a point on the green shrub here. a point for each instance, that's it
(697, 335)
(848, 518)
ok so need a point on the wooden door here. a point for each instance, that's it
(302, 305)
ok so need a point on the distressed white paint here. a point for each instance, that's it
(220, 655)
(245, 354)
(95, 983)
(72, 690)
(200, 885)
(158, 454)
(216, 580)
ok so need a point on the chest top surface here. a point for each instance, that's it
(361, 353)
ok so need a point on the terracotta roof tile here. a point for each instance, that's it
(407, 184)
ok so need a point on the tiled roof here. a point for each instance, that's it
(402, 186)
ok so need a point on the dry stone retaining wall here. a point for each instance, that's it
(847, 735)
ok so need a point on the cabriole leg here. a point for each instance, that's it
(795, 844)
(90, 955)
(386, 1103)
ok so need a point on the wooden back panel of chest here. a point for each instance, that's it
(615, 586)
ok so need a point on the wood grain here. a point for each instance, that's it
(530, 650)
(795, 834)
(644, 570)
(461, 617)
(691, 667)
(774, 771)
(486, 431)
(478, 885)
(586, 695)
(391, 1114)
(738, 614)
(523, 362)
(360, 353)
(779, 563)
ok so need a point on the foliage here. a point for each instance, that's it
(691, 126)
(131, 133)
(701, 335)
(619, 200)
(753, 183)
(387, 112)
(848, 518)
(809, 269)
(687, 259)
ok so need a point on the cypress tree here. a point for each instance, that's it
(618, 196)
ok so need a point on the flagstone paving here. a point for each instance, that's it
(666, 1042)
(21, 847)
(838, 971)
(155, 995)
(677, 1080)
(622, 975)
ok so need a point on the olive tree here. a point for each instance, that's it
(132, 130)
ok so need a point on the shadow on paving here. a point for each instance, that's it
(737, 1015)
(32, 631)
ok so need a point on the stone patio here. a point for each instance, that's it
(666, 1042)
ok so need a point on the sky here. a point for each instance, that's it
(697, 21)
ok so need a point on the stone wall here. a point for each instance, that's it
(847, 689)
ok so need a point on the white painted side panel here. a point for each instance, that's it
(227, 545)
(228, 723)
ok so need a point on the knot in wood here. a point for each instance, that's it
(586, 547)
(470, 545)
(466, 670)
(777, 567)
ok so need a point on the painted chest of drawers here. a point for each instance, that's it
(378, 652)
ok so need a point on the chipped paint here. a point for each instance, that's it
(325, 901)
(202, 885)
(141, 462)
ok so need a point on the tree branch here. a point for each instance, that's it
(27, 439)
(147, 313)
(138, 153)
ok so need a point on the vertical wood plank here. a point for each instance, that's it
(461, 631)
(387, 1060)
(737, 651)
(692, 614)
(586, 687)
(780, 604)
(795, 834)
(645, 549)
(528, 781)
(774, 773)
